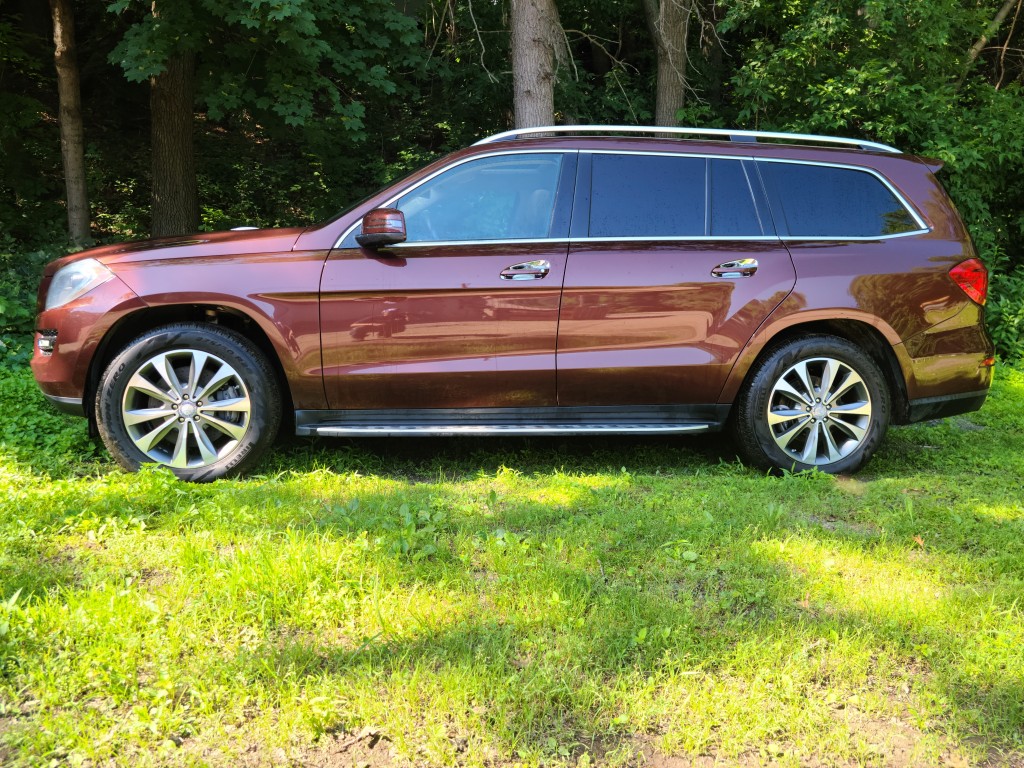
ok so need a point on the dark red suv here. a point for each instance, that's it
(572, 280)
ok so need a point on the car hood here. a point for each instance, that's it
(200, 245)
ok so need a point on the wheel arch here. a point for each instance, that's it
(141, 321)
(857, 331)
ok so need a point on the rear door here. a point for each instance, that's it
(673, 264)
(465, 312)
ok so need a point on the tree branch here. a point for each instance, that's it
(981, 42)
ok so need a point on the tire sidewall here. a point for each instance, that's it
(247, 361)
(754, 408)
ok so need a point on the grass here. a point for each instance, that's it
(490, 602)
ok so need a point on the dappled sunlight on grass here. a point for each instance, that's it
(483, 602)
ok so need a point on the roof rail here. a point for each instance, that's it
(727, 133)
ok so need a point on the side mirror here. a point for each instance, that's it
(382, 226)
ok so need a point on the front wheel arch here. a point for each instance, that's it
(198, 398)
(142, 321)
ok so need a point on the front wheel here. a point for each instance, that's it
(813, 402)
(197, 398)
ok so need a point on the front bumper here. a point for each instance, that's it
(71, 335)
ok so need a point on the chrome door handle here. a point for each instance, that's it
(737, 268)
(527, 270)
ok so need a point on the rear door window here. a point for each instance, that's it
(817, 201)
(648, 196)
(733, 213)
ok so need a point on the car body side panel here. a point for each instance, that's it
(901, 288)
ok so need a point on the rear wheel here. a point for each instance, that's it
(197, 398)
(813, 402)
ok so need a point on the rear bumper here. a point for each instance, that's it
(72, 405)
(926, 408)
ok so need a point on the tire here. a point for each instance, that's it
(814, 402)
(146, 412)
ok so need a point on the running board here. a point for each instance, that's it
(448, 422)
(450, 430)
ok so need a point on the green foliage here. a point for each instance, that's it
(891, 71)
(293, 61)
(20, 272)
(32, 429)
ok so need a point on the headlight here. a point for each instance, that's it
(75, 280)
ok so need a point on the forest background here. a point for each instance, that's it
(204, 115)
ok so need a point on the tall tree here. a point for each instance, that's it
(538, 45)
(171, 104)
(669, 24)
(289, 62)
(72, 133)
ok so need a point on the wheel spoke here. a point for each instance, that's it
(139, 384)
(778, 416)
(162, 365)
(851, 380)
(828, 376)
(234, 404)
(195, 369)
(853, 430)
(154, 436)
(142, 415)
(223, 375)
(206, 449)
(786, 437)
(783, 387)
(810, 452)
(235, 431)
(861, 408)
(834, 454)
(179, 458)
(805, 378)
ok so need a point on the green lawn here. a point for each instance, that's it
(499, 601)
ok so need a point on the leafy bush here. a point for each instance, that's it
(19, 282)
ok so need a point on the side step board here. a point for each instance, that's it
(445, 422)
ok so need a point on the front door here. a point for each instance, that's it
(465, 312)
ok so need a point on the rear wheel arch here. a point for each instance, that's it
(864, 335)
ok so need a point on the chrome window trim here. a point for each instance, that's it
(644, 239)
(498, 153)
(923, 227)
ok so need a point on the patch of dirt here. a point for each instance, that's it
(832, 523)
(368, 748)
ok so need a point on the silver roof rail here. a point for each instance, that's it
(725, 133)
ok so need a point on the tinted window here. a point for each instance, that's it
(819, 201)
(493, 198)
(647, 196)
(732, 203)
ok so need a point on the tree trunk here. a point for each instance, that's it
(72, 134)
(669, 22)
(536, 43)
(171, 102)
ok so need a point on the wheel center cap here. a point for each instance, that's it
(818, 411)
(188, 410)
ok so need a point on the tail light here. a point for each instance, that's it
(972, 277)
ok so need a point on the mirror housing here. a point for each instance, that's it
(381, 227)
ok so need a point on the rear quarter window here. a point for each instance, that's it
(830, 202)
